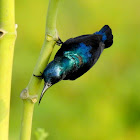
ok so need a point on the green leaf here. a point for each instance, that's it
(41, 134)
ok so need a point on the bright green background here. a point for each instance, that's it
(103, 104)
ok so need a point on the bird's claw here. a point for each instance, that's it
(59, 42)
(39, 76)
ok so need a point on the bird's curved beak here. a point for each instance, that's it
(46, 86)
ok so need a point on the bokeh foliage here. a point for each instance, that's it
(104, 104)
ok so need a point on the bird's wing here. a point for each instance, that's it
(70, 43)
(76, 39)
(82, 67)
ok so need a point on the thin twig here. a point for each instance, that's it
(29, 95)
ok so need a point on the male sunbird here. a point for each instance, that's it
(75, 57)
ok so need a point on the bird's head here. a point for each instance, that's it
(51, 75)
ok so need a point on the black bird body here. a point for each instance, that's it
(83, 51)
(76, 56)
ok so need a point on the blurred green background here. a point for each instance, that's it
(103, 104)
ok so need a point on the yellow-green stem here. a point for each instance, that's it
(7, 41)
(29, 95)
(27, 119)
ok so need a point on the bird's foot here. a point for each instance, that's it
(59, 42)
(39, 76)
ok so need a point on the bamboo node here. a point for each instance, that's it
(51, 37)
(25, 96)
(16, 26)
(2, 33)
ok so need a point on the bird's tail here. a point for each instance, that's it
(107, 36)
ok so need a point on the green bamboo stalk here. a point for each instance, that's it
(7, 41)
(29, 95)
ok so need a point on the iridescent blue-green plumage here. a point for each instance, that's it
(76, 56)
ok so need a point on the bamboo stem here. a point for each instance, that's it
(7, 42)
(29, 95)
(27, 119)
